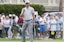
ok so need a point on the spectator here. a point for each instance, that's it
(52, 27)
(58, 29)
(38, 29)
(11, 23)
(61, 23)
(20, 20)
(6, 24)
(1, 28)
(47, 27)
(36, 26)
(14, 27)
(42, 26)
(20, 23)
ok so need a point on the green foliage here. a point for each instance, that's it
(16, 9)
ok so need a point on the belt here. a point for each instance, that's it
(28, 20)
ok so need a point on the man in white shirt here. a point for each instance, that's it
(28, 14)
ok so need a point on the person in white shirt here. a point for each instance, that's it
(42, 26)
(28, 14)
(6, 24)
(58, 29)
(52, 27)
(11, 23)
(47, 23)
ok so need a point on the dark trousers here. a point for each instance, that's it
(6, 31)
(52, 34)
(1, 33)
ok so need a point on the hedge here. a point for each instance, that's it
(16, 9)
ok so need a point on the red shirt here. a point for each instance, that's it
(20, 20)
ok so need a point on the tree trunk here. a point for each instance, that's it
(61, 6)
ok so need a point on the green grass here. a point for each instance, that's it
(35, 40)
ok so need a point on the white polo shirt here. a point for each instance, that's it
(27, 13)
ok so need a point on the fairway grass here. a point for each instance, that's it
(35, 40)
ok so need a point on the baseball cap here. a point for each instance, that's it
(14, 15)
(10, 15)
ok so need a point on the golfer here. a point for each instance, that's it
(28, 14)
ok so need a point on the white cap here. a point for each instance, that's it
(14, 15)
(10, 14)
(27, 1)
